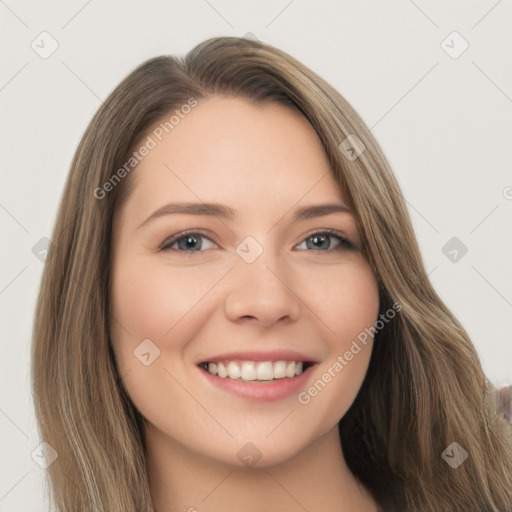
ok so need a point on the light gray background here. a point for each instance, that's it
(444, 123)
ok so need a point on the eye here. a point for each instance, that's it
(321, 240)
(193, 241)
(188, 241)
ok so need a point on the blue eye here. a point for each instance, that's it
(320, 238)
(187, 241)
(192, 241)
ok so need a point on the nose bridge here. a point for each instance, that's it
(259, 285)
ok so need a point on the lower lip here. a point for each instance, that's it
(261, 391)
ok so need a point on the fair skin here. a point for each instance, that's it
(312, 295)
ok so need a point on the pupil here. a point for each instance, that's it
(189, 242)
(315, 239)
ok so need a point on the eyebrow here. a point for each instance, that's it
(225, 212)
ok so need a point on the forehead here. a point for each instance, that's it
(228, 150)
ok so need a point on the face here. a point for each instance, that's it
(251, 289)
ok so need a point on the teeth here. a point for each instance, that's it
(221, 370)
(234, 370)
(279, 369)
(251, 370)
(265, 371)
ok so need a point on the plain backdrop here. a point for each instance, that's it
(432, 79)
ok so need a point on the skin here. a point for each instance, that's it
(264, 161)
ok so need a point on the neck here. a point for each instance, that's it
(316, 479)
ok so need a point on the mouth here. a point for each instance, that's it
(256, 371)
(258, 381)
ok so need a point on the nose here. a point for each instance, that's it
(260, 293)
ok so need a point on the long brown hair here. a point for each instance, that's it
(424, 389)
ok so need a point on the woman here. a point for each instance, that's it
(253, 371)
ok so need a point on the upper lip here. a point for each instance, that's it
(253, 355)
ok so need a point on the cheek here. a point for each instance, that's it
(348, 305)
(163, 305)
(345, 300)
(150, 304)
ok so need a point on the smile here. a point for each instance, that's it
(254, 370)
(258, 380)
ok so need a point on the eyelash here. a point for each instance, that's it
(344, 243)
